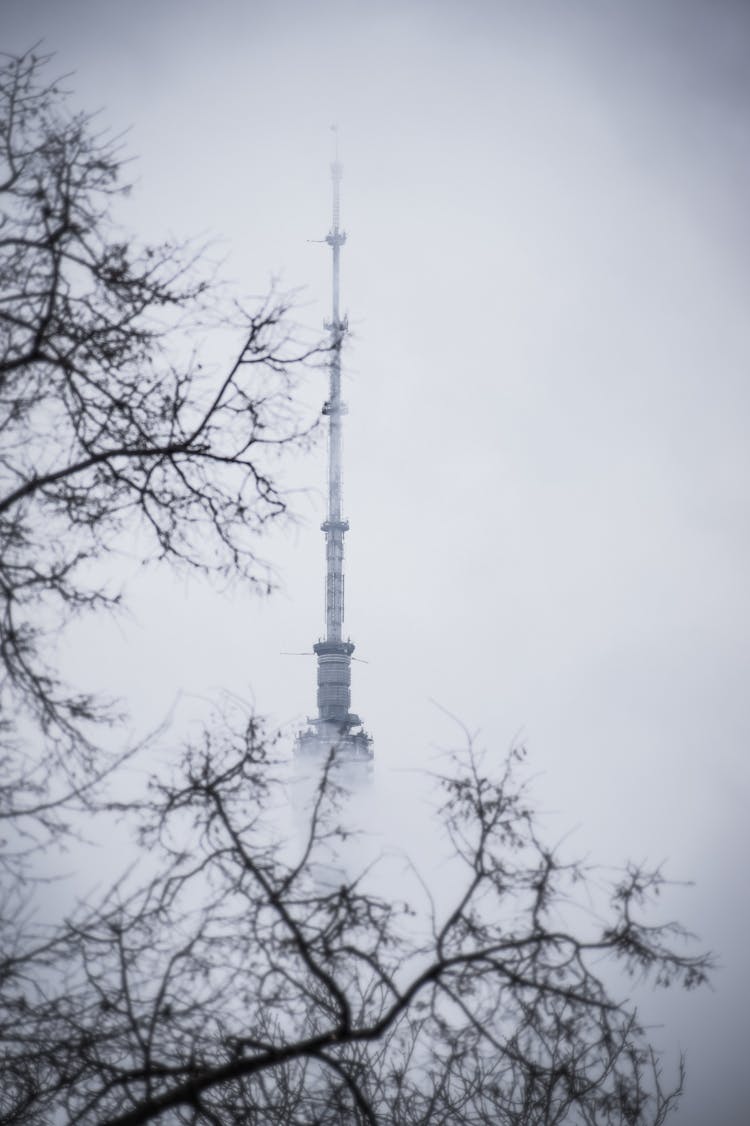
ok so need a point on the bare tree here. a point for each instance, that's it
(236, 987)
(109, 427)
(232, 984)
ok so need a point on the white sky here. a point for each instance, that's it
(547, 457)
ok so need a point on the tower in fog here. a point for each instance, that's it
(335, 725)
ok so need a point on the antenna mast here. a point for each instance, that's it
(335, 726)
(335, 526)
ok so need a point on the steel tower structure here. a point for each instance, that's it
(335, 725)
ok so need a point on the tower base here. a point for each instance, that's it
(347, 745)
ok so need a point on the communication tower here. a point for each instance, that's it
(335, 726)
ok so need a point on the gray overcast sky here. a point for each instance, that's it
(547, 456)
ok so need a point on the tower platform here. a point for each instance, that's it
(347, 743)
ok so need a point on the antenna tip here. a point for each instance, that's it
(335, 131)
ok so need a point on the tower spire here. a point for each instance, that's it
(335, 725)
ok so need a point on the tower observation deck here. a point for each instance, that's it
(335, 726)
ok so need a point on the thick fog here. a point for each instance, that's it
(547, 465)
